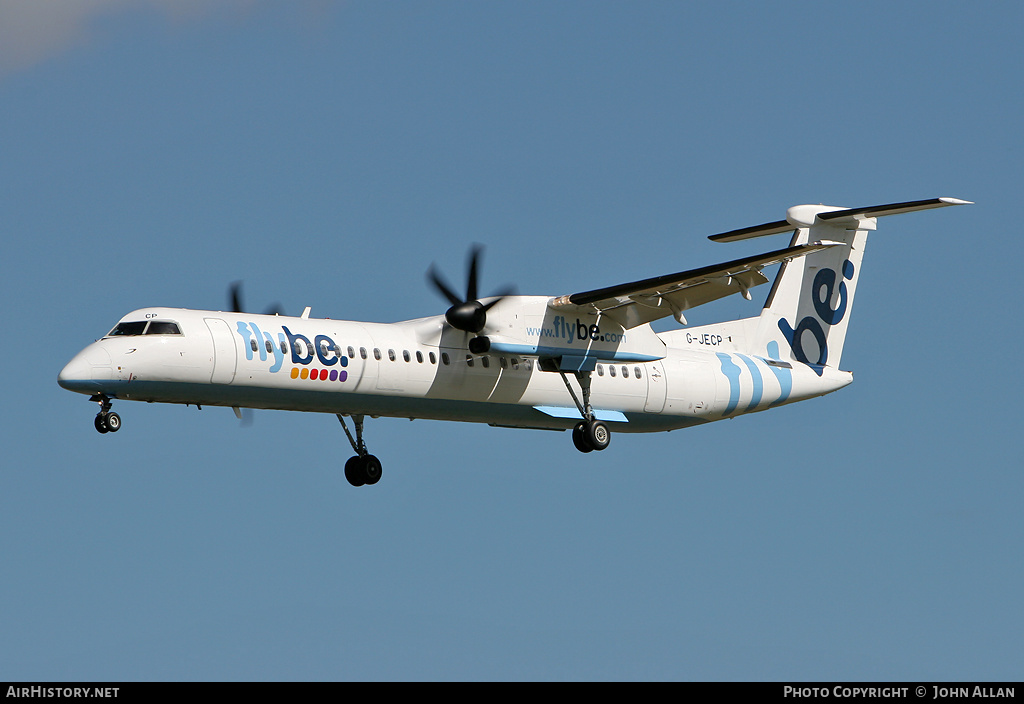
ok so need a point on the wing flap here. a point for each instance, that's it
(639, 302)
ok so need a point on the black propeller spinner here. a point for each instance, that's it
(469, 314)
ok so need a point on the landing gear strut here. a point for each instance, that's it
(364, 468)
(106, 420)
(589, 434)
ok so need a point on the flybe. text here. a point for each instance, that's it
(301, 349)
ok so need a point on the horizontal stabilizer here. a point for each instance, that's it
(746, 233)
(874, 211)
(806, 215)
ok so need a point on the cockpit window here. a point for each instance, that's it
(128, 329)
(156, 327)
(162, 327)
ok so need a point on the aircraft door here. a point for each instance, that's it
(656, 388)
(224, 355)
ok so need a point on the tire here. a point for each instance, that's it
(113, 422)
(579, 438)
(101, 423)
(372, 469)
(354, 471)
(597, 435)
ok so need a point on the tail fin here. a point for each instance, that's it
(808, 310)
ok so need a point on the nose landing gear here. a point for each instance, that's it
(106, 420)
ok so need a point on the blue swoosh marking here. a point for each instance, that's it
(732, 373)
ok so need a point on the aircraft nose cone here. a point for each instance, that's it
(81, 373)
(74, 373)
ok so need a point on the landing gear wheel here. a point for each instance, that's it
(579, 438)
(354, 471)
(106, 422)
(372, 469)
(365, 470)
(597, 434)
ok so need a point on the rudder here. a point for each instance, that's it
(807, 312)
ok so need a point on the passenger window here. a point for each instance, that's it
(504, 364)
(625, 372)
(515, 363)
(529, 365)
(469, 361)
(433, 358)
(376, 353)
(600, 370)
(444, 359)
(611, 369)
(419, 356)
(352, 353)
(252, 343)
(636, 372)
(284, 347)
(405, 355)
(486, 361)
(270, 347)
(362, 353)
(391, 355)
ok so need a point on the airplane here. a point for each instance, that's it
(511, 360)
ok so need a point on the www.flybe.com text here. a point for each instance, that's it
(562, 329)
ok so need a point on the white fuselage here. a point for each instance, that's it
(423, 369)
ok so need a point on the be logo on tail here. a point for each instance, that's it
(821, 294)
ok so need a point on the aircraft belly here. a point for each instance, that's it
(297, 398)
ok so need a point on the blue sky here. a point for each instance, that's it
(326, 154)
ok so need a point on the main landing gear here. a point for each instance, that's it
(589, 434)
(106, 420)
(364, 468)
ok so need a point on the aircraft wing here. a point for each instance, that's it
(640, 302)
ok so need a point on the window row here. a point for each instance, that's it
(624, 369)
(302, 349)
(485, 360)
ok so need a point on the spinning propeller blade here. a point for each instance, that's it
(235, 301)
(467, 314)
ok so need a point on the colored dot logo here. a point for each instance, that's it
(321, 374)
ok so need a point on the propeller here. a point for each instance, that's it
(467, 314)
(235, 299)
